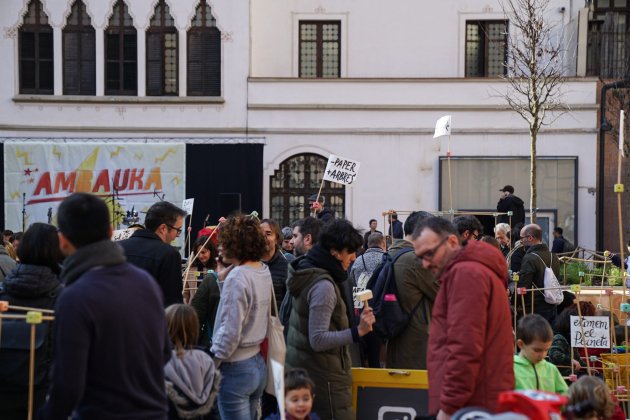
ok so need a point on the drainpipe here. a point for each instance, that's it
(604, 126)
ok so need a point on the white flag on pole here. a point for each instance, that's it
(443, 127)
(622, 128)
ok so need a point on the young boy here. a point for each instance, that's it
(298, 396)
(531, 370)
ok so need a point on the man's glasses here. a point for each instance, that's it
(179, 230)
(428, 255)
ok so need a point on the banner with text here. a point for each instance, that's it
(130, 177)
(592, 331)
(341, 170)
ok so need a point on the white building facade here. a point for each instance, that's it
(364, 80)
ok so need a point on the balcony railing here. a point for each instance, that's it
(608, 55)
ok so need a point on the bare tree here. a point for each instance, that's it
(534, 72)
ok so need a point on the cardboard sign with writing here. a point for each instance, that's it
(593, 333)
(187, 205)
(341, 170)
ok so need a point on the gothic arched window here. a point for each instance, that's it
(204, 54)
(162, 53)
(297, 178)
(35, 48)
(79, 53)
(121, 53)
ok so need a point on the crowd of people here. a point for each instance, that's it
(132, 338)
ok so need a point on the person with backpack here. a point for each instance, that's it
(320, 323)
(360, 273)
(560, 243)
(33, 283)
(532, 274)
(417, 289)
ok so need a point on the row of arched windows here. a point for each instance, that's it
(203, 55)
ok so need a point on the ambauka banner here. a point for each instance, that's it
(130, 177)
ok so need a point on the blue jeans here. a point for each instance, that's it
(242, 385)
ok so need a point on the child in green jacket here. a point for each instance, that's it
(531, 370)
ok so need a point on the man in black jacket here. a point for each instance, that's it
(150, 249)
(510, 202)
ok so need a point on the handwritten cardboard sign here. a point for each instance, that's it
(594, 331)
(341, 170)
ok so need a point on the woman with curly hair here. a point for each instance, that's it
(242, 317)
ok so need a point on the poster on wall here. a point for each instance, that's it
(130, 177)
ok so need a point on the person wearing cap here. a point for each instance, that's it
(510, 202)
(317, 205)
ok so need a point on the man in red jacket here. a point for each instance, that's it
(469, 357)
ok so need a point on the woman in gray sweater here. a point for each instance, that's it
(242, 317)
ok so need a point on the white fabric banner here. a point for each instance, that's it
(443, 127)
(130, 177)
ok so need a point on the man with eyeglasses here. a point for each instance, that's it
(469, 359)
(532, 273)
(151, 250)
(468, 227)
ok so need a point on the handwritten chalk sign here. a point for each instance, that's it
(187, 205)
(594, 331)
(341, 170)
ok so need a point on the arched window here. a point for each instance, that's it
(79, 53)
(35, 47)
(296, 179)
(204, 54)
(162, 53)
(121, 53)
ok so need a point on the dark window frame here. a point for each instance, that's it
(162, 30)
(206, 79)
(319, 48)
(123, 32)
(484, 44)
(329, 189)
(38, 29)
(79, 29)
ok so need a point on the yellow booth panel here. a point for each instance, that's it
(388, 394)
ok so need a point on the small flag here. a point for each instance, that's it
(443, 127)
(622, 129)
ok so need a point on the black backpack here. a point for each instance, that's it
(391, 318)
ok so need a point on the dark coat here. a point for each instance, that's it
(206, 303)
(470, 356)
(278, 265)
(532, 273)
(146, 250)
(36, 287)
(515, 205)
(408, 350)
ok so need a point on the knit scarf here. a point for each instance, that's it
(97, 254)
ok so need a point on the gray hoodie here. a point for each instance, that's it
(243, 314)
(6, 263)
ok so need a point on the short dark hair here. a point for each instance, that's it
(8, 233)
(241, 237)
(297, 378)
(533, 327)
(558, 230)
(160, 213)
(84, 219)
(375, 239)
(40, 246)
(339, 234)
(413, 219)
(372, 220)
(309, 226)
(467, 223)
(203, 241)
(439, 225)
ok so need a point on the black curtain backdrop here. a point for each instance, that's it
(2, 184)
(216, 169)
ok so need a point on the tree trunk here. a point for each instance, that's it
(532, 176)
